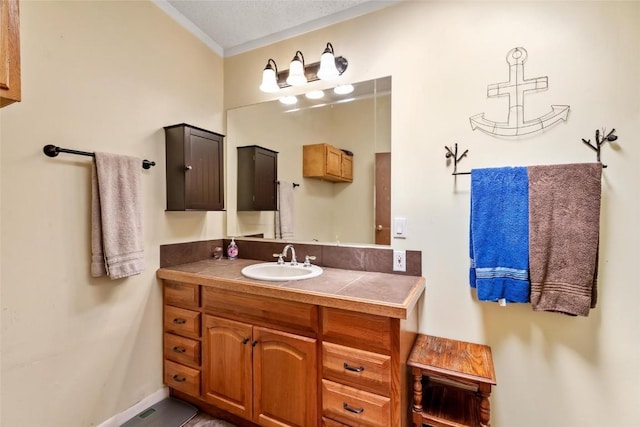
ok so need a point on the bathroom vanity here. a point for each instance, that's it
(330, 350)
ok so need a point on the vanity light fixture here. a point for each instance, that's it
(296, 70)
(269, 77)
(328, 69)
(299, 73)
(315, 94)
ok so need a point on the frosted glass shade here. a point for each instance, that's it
(328, 70)
(269, 81)
(296, 74)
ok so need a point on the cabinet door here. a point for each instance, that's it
(227, 365)
(333, 161)
(10, 83)
(285, 379)
(203, 181)
(266, 176)
(347, 167)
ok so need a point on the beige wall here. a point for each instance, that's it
(108, 75)
(552, 370)
(97, 76)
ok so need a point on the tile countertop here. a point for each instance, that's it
(383, 294)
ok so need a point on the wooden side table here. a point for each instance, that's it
(452, 382)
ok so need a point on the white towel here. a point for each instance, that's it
(116, 220)
(284, 214)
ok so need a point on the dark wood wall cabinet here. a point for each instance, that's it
(10, 84)
(257, 178)
(195, 179)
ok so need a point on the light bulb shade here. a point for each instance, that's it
(269, 80)
(343, 89)
(296, 73)
(289, 100)
(328, 69)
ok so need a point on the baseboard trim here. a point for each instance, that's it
(124, 416)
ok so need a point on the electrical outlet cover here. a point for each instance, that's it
(399, 260)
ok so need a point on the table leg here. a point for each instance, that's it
(417, 392)
(485, 408)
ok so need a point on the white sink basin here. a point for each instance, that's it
(273, 271)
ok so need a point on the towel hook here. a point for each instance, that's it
(610, 137)
(454, 155)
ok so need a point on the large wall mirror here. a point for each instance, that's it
(327, 212)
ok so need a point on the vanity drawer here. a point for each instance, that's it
(357, 329)
(181, 294)
(181, 349)
(181, 321)
(358, 368)
(354, 407)
(288, 316)
(182, 378)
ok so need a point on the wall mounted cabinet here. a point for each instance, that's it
(10, 83)
(195, 179)
(257, 178)
(327, 162)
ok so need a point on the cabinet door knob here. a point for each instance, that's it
(378, 227)
(246, 340)
(188, 167)
(254, 343)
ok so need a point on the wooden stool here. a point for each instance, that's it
(457, 379)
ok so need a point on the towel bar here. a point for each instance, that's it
(52, 151)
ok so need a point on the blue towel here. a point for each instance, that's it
(499, 234)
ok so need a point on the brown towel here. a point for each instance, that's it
(116, 221)
(564, 222)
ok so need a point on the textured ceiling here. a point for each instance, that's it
(234, 26)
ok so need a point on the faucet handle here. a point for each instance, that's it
(280, 260)
(308, 259)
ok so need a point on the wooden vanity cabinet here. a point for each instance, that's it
(327, 162)
(257, 178)
(277, 362)
(10, 80)
(194, 160)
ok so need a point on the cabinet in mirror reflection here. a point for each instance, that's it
(356, 212)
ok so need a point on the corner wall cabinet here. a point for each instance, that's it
(195, 179)
(278, 362)
(326, 162)
(257, 178)
(10, 83)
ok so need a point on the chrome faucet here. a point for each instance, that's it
(293, 254)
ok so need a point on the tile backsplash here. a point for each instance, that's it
(345, 257)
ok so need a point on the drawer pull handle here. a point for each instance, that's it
(352, 369)
(346, 407)
(178, 379)
(245, 340)
(179, 321)
(179, 349)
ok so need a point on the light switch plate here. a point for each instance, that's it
(400, 227)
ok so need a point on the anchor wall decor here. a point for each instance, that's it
(516, 88)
